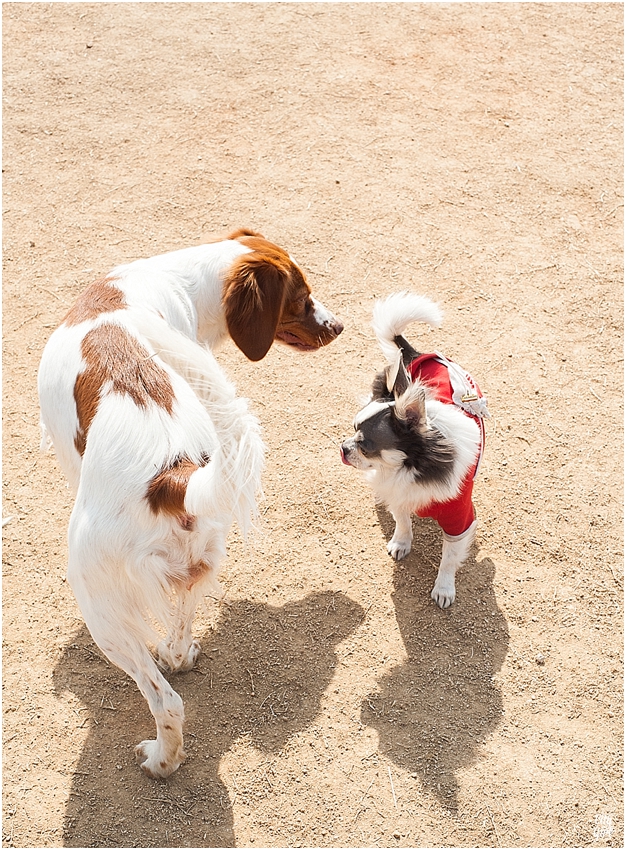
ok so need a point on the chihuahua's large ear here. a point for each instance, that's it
(410, 407)
(254, 294)
(397, 377)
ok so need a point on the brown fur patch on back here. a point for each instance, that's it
(101, 297)
(114, 356)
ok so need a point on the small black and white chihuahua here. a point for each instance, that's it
(420, 438)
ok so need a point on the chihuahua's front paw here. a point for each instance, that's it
(443, 593)
(399, 548)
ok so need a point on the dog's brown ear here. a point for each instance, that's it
(254, 294)
(410, 407)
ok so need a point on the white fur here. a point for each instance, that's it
(371, 409)
(454, 553)
(184, 286)
(322, 313)
(239, 430)
(395, 313)
(61, 363)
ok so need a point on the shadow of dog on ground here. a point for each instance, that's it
(262, 674)
(433, 712)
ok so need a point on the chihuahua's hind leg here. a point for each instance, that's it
(455, 552)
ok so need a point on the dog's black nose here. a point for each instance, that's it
(336, 327)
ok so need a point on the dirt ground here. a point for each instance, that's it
(469, 152)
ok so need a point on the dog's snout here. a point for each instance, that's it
(325, 319)
(344, 449)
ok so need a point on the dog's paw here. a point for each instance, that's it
(399, 549)
(443, 593)
(149, 756)
(188, 660)
(178, 661)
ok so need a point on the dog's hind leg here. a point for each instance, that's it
(454, 553)
(116, 626)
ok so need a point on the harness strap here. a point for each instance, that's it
(467, 396)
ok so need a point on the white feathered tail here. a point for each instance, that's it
(393, 315)
(233, 477)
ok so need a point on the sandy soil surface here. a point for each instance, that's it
(469, 152)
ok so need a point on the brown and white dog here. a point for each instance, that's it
(160, 452)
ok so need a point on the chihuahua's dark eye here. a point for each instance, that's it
(365, 446)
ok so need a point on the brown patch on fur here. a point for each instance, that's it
(298, 318)
(196, 572)
(148, 772)
(187, 522)
(114, 356)
(244, 231)
(212, 237)
(101, 297)
(166, 491)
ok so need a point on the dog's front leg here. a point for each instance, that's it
(400, 544)
(179, 651)
(455, 552)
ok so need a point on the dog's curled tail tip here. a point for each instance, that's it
(393, 314)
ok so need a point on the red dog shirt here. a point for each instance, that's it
(450, 384)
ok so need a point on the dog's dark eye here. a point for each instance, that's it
(366, 447)
(302, 305)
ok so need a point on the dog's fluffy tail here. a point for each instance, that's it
(392, 315)
(233, 476)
